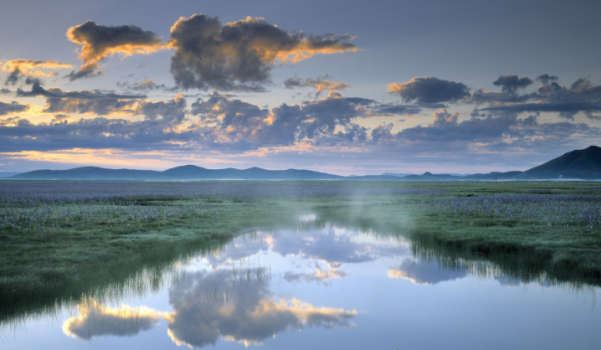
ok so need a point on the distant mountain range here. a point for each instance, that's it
(580, 164)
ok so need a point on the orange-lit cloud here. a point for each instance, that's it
(38, 69)
(95, 320)
(245, 313)
(240, 55)
(34, 68)
(99, 42)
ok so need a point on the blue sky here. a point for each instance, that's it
(348, 87)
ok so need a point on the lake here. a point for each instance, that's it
(321, 285)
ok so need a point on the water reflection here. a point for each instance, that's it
(329, 244)
(245, 312)
(270, 283)
(425, 272)
(95, 320)
(208, 306)
(319, 276)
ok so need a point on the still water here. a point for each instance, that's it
(322, 286)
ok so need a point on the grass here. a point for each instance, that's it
(52, 253)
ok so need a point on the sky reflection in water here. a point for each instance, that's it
(323, 286)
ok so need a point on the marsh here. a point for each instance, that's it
(299, 265)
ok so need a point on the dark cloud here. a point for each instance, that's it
(430, 90)
(59, 101)
(99, 42)
(481, 96)
(292, 83)
(560, 107)
(145, 86)
(392, 109)
(482, 132)
(582, 90)
(320, 84)
(247, 126)
(13, 77)
(511, 83)
(240, 55)
(87, 72)
(5, 92)
(13, 107)
(160, 129)
(581, 96)
(33, 68)
(546, 78)
(60, 118)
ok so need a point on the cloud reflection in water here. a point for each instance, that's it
(208, 306)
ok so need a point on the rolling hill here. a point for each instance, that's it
(579, 164)
(187, 172)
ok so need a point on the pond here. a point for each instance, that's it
(321, 285)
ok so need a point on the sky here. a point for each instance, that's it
(346, 87)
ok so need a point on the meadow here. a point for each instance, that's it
(61, 240)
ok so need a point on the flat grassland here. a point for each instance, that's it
(62, 239)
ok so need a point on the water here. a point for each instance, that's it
(323, 286)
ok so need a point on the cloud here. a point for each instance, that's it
(99, 42)
(581, 96)
(146, 86)
(240, 55)
(560, 107)
(244, 312)
(13, 107)
(490, 133)
(331, 247)
(546, 78)
(320, 276)
(425, 272)
(482, 96)
(582, 90)
(13, 77)
(249, 316)
(161, 128)
(97, 102)
(429, 90)
(85, 72)
(20, 67)
(393, 109)
(320, 84)
(246, 126)
(511, 83)
(60, 118)
(95, 320)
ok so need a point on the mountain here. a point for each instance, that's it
(579, 164)
(584, 164)
(187, 172)
(427, 176)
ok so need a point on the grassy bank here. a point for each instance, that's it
(528, 228)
